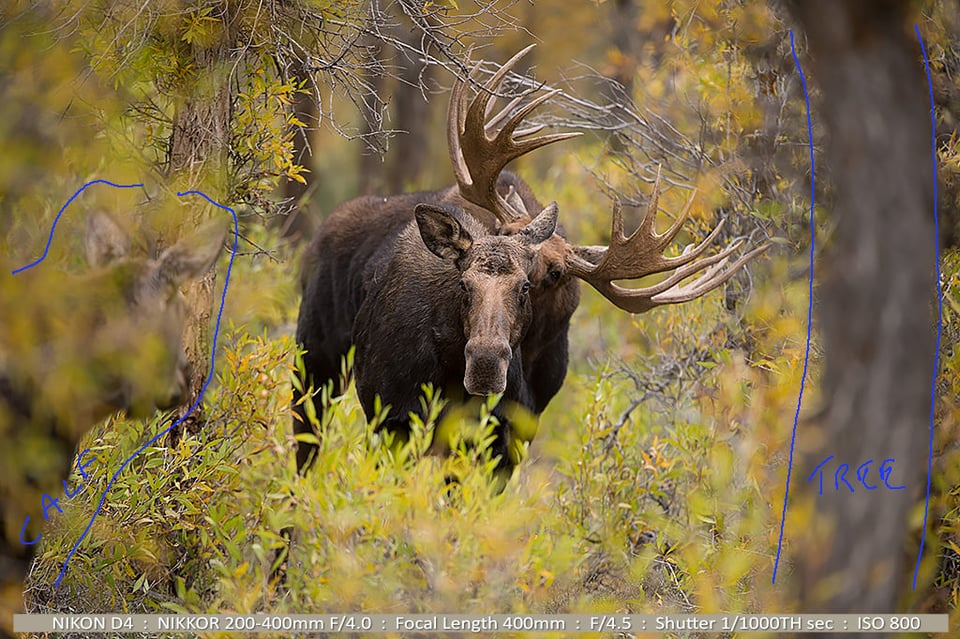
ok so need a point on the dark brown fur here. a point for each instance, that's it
(368, 279)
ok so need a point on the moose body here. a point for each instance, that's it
(369, 279)
(73, 350)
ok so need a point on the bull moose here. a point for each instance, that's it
(74, 349)
(460, 288)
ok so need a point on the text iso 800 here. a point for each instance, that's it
(895, 624)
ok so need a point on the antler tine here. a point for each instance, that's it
(641, 254)
(667, 236)
(508, 131)
(481, 145)
(478, 111)
(690, 253)
(525, 110)
(530, 130)
(686, 270)
(494, 122)
(648, 224)
(516, 202)
(713, 277)
(616, 225)
(456, 121)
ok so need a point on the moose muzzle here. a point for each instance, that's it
(487, 364)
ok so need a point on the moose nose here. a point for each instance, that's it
(177, 392)
(486, 366)
(495, 349)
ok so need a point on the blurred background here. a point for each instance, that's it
(656, 480)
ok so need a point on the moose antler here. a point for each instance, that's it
(479, 151)
(641, 254)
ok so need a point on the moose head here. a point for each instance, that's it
(481, 146)
(73, 350)
(494, 287)
(130, 341)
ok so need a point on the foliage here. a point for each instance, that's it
(650, 512)
(656, 478)
(157, 59)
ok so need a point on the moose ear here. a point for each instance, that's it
(542, 227)
(105, 240)
(442, 232)
(192, 256)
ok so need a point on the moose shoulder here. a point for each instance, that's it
(462, 289)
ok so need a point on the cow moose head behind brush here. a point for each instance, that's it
(73, 350)
(461, 289)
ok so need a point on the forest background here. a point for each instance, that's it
(656, 480)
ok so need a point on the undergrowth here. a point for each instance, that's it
(631, 498)
(654, 484)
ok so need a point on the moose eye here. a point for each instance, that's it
(525, 288)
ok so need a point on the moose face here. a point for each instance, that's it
(131, 349)
(549, 267)
(132, 346)
(74, 349)
(494, 288)
(495, 311)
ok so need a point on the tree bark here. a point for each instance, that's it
(627, 40)
(372, 167)
(199, 143)
(878, 296)
(297, 225)
(398, 166)
(412, 115)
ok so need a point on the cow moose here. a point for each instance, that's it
(460, 288)
(73, 350)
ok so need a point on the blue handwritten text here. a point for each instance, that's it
(861, 475)
(47, 502)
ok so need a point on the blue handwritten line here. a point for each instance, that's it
(806, 356)
(936, 353)
(57, 219)
(213, 357)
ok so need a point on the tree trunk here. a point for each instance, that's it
(627, 40)
(877, 299)
(397, 167)
(372, 168)
(297, 225)
(372, 163)
(412, 116)
(198, 146)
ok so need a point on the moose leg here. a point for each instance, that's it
(399, 428)
(319, 370)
